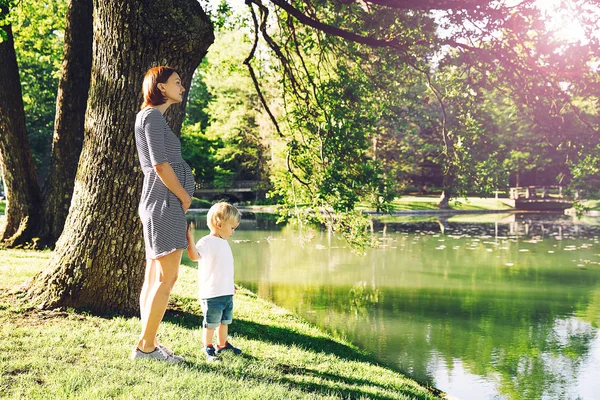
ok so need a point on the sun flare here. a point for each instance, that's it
(562, 20)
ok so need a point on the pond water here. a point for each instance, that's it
(481, 307)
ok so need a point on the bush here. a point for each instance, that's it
(200, 203)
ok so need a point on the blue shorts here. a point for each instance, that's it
(217, 311)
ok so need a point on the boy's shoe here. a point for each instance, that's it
(211, 354)
(229, 347)
(157, 354)
(170, 353)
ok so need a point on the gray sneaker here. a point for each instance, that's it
(157, 354)
(170, 353)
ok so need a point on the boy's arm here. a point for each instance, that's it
(191, 249)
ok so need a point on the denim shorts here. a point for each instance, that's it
(217, 311)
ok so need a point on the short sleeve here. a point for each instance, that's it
(202, 247)
(154, 130)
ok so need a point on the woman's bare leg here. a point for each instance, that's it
(149, 279)
(151, 276)
(157, 298)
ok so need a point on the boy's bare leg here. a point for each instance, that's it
(158, 297)
(209, 333)
(222, 334)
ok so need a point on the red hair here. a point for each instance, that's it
(152, 94)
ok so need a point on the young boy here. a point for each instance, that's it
(215, 276)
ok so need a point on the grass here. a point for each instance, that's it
(66, 354)
(593, 205)
(2, 206)
(419, 203)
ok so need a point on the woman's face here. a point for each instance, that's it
(172, 89)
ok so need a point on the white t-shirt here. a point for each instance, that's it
(215, 268)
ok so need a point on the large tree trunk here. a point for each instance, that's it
(69, 122)
(98, 263)
(23, 195)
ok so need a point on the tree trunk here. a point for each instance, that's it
(98, 263)
(447, 188)
(69, 122)
(23, 195)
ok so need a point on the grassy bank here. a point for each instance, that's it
(419, 203)
(592, 205)
(67, 354)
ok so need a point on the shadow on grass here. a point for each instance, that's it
(329, 383)
(272, 334)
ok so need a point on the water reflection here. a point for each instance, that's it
(508, 308)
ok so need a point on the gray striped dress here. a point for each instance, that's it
(160, 210)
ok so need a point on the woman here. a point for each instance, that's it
(166, 197)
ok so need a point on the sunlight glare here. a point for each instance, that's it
(562, 20)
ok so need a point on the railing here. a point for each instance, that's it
(537, 192)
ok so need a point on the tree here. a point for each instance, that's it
(23, 194)
(69, 124)
(38, 29)
(507, 39)
(98, 262)
(72, 97)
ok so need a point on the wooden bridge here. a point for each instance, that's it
(540, 198)
(233, 191)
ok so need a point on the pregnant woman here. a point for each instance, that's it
(168, 185)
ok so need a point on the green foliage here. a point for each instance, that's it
(200, 203)
(235, 112)
(198, 151)
(586, 174)
(198, 100)
(224, 136)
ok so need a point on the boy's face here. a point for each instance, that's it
(227, 228)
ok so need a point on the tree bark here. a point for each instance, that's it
(23, 194)
(98, 263)
(69, 122)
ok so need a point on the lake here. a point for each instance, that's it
(481, 307)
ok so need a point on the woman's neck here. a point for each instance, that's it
(162, 107)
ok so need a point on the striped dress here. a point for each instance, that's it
(160, 210)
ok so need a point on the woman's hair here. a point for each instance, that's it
(221, 212)
(152, 94)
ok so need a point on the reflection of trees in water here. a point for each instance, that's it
(590, 312)
(521, 340)
(361, 299)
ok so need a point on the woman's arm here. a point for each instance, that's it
(167, 176)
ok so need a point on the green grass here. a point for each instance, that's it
(73, 355)
(593, 205)
(2, 206)
(419, 203)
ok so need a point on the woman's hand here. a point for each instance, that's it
(186, 203)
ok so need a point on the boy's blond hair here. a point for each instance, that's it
(221, 212)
